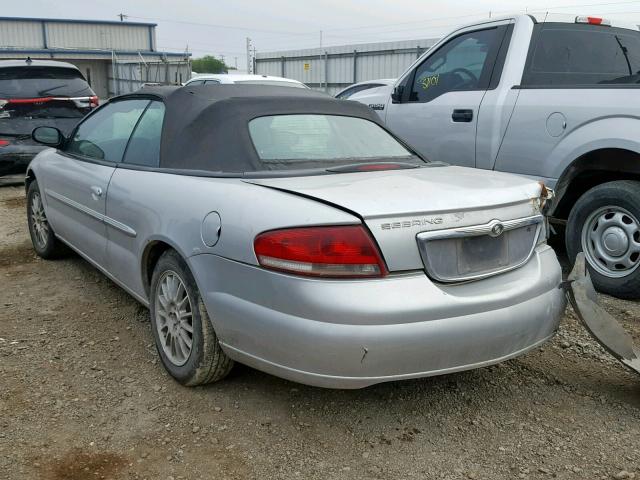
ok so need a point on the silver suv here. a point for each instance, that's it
(37, 93)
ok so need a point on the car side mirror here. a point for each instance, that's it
(49, 136)
(396, 95)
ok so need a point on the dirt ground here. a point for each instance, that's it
(83, 396)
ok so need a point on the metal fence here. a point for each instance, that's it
(333, 68)
(128, 76)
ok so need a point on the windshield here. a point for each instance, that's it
(35, 82)
(330, 139)
(275, 83)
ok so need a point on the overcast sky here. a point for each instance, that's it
(221, 27)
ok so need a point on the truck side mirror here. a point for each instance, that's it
(396, 95)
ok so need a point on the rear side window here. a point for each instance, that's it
(328, 139)
(36, 82)
(564, 54)
(105, 134)
(144, 146)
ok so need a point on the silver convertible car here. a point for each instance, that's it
(293, 233)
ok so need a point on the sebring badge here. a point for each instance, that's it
(418, 222)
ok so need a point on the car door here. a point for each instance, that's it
(129, 218)
(77, 176)
(437, 109)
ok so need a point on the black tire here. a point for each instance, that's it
(624, 194)
(206, 362)
(43, 238)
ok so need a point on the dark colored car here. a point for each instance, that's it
(34, 93)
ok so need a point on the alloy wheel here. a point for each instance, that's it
(174, 318)
(39, 222)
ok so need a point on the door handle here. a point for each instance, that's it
(462, 115)
(96, 192)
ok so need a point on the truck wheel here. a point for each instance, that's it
(43, 239)
(185, 339)
(604, 224)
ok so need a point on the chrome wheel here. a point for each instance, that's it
(39, 223)
(174, 318)
(611, 241)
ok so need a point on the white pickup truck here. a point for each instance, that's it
(554, 100)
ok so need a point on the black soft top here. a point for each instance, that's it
(206, 126)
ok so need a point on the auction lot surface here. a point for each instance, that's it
(83, 396)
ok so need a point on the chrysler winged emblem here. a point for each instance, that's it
(497, 229)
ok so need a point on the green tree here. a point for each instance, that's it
(208, 64)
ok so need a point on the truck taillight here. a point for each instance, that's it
(338, 252)
(594, 21)
(4, 143)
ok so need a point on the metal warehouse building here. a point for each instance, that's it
(115, 57)
(333, 68)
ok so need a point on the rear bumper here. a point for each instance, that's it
(351, 334)
(15, 158)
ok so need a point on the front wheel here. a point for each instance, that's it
(605, 225)
(185, 339)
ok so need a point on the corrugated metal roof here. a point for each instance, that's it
(74, 20)
(96, 53)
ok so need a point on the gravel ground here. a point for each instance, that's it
(83, 396)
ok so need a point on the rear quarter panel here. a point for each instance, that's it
(171, 208)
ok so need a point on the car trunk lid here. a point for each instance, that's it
(397, 205)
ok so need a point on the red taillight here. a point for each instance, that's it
(93, 101)
(4, 143)
(30, 100)
(345, 251)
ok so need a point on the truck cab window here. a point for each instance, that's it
(565, 54)
(463, 63)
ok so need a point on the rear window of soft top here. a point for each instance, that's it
(297, 140)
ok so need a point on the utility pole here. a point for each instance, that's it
(122, 16)
(321, 55)
(235, 62)
(249, 62)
